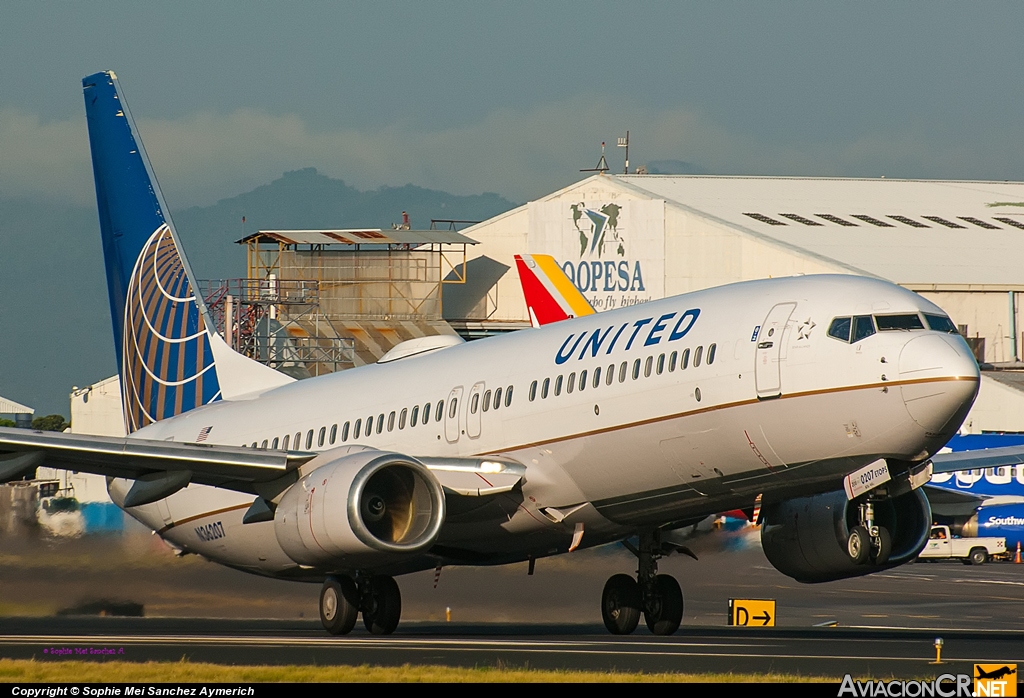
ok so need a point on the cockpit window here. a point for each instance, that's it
(940, 323)
(862, 327)
(840, 328)
(899, 322)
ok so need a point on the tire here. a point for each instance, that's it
(978, 556)
(858, 545)
(667, 606)
(880, 555)
(339, 606)
(384, 606)
(620, 604)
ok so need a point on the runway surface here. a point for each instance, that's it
(809, 651)
(886, 622)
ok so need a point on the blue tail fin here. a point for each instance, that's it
(165, 345)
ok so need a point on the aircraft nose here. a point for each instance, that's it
(939, 380)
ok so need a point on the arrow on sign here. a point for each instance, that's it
(764, 617)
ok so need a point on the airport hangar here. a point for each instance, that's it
(625, 239)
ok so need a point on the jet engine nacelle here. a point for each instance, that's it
(360, 507)
(806, 538)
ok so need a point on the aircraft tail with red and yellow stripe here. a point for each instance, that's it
(550, 295)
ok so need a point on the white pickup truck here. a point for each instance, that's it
(971, 551)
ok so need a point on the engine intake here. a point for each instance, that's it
(806, 538)
(360, 506)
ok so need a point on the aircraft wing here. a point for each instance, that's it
(165, 466)
(230, 467)
(945, 502)
(977, 459)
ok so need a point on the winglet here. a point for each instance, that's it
(549, 294)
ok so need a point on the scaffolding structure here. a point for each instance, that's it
(364, 274)
(313, 298)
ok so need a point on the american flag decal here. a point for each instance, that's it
(203, 433)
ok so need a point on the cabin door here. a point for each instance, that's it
(453, 415)
(767, 373)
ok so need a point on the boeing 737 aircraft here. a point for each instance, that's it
(826, 395)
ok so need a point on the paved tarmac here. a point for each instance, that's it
(829, 652)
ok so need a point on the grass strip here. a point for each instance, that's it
(30, 670)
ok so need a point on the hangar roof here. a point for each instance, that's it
(914, 232)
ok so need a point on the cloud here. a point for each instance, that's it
(518, 153)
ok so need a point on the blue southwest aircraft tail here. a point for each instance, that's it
(170, 359)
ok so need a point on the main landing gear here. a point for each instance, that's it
(868, 541)
(657, 596)
(377, 597)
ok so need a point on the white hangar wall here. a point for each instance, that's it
(954, 242)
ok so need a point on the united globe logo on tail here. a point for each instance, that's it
(167, 364)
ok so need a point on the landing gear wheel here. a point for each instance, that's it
(666, 606)
(978, 556)
(620, 604)
(383, 606)
(858, 545)
(339, 605)
(880, 555)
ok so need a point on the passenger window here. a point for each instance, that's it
(322, 436)
(391, 422)
(426, 413)
(453, 407)
(862, 327)
(672, 361)
(597, 376)
(309, 439)
(558, 386)
(475, 404)
(508, 397)
(264, 446)
(401, 418)
(544, 388)
(487, 400)
(284, 444)
(439, 411)
(572, 383)
(661, 365)
(583, 379)
(274, 443)
(533, 391)
(840, 328)
(369, 425)
(497, 398)
(636, 369)
(255, 444)
(415, 415)
(610, 377)
(334, 433)
(344, 433)
(622, 372)
(648, 365)
(940, 323)
(685, 361)
(711, 353)
(355, 431)
(298, 440)
(697, 355)
(380, 422)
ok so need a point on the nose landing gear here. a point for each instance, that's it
(867, 540)
(377, 597)
(657, 596)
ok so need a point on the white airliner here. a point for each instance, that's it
(620, 426)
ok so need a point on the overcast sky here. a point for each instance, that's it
(515, 97)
